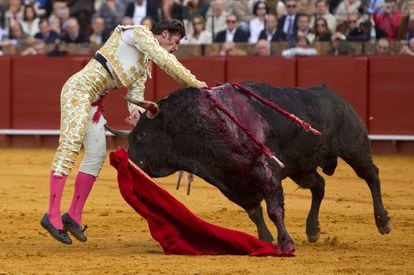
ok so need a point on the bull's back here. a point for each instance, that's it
(343, 132)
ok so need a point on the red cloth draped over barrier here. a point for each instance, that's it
(171, 224)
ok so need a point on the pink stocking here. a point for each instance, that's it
(83, 186)
(57, 185)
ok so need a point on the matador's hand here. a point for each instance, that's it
(133, 117)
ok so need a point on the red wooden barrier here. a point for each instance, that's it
(5, 102)
(272, 70)
(211, 70)
(37, 82)
(379, 88)
(391, 95)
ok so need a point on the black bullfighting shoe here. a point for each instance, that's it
(74, 228)
(59, 235)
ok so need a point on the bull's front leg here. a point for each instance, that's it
(275, 211)
(256, 215)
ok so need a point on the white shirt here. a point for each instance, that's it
(299, 52)
(139, 12)
(32, 29)
(255, 26)
(230, 35)
(204, 38)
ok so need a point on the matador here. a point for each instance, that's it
(123, 61)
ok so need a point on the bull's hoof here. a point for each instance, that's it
(287, 248)
(314, 237)
(313, 233)
(383, 223)
(386, 229)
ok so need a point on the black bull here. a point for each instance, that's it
(190, 133)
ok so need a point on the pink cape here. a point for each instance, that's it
(172, 225)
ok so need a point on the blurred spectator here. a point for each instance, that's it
(346, 8)
(366, 32)
(322, 11)
(270, 33)
(38, 48)
(390, 19)
(46, 34)
(382, 47)
(243, 9)
(30, 22)
(263, 48)
(307, 6)
(257, 24)
(302, 48)
(61, 11)
(170, 10)
(58, 7)
(111, 12)
(16, 36)
(322, 32)
(2, 12)
(147, 21)
(276, 7)
(42, 7)
(216, 17)
(123, 4)
(3, 33)
(406, 30)
(99, 33)
(126, 20)
(74, 35)
(14, 13)
(195, 7)
(375, 6)
(139, 9)
(231, 49)
(349, 25)
(55, 24)
(408, 49)
(304, 29)
(199, 35)
(82, 10)
(339, 45)
(287, 23)
(233, 33)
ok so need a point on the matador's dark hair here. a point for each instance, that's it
(174, 26)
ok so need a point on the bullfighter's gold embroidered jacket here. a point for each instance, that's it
(130, 61)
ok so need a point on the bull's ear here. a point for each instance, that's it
(150, 106)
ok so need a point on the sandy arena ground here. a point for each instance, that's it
(120, 243)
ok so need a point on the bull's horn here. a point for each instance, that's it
(152, 107)
(117, 132)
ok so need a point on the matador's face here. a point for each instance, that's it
(169, 41)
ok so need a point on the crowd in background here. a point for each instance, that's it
(34, 24)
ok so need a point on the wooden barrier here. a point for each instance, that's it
(6, 92)
(391, 95)
(379, 88)
(37, 82)
(273, 70)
